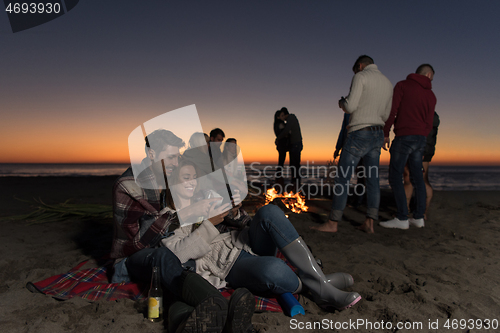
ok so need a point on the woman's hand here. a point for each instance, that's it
(200, 208)
(218, 214)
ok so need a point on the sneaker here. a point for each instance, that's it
(395, 223)
(419, 223)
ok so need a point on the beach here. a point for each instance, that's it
(416, 280)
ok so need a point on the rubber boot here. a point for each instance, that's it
(210, 307)
(241, 310)
(340, 280)
(312, 277)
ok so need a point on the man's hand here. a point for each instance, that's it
(387, 141)
(341, 103)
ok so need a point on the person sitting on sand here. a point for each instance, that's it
(230, 151)
(216, 138)
(141, 218)
(198, 151)
(233, 166)
(232, 257)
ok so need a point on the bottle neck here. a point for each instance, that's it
(155, 278)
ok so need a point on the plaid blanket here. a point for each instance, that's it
(92, 284)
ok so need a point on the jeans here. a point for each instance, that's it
(269, 230)
(140, 266)
(364, 144)
(408, 148)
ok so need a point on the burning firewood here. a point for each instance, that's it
(293, 202)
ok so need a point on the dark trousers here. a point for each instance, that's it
(140, 267)
(295, 150)
(281, 158)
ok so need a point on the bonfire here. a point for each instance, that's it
(295, 202)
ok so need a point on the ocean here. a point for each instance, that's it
(444, 178)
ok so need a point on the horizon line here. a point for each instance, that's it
(467, 163)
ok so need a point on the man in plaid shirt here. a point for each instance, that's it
(142, 218)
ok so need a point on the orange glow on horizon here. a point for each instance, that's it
(107, 144)
(82, 154)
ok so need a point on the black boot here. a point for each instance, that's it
(241, 309)
(210, 307)
(178, 316)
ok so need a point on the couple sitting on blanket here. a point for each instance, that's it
(145, 237)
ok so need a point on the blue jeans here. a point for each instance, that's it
(364, 144)
(140, 267)
(269, 230)
(408, 148)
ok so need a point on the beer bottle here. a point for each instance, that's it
(155, 297)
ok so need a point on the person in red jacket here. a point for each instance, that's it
(412, 114)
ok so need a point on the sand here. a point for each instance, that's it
(447, 271)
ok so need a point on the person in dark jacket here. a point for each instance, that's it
(412, 114)
(292, 128)
(282, 145)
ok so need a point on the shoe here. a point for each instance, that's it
(419, 223)
(395, 223)
(178, 314)
(210, 307)
(240, 313)
(207, 316)
(324, 294)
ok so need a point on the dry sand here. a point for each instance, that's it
(447, 270)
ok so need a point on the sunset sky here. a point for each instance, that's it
(73, 89)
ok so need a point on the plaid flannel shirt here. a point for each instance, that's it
(140, 220)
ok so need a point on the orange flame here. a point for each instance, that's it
(295, 202)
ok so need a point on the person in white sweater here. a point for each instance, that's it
(246, 257)
(369, 105)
